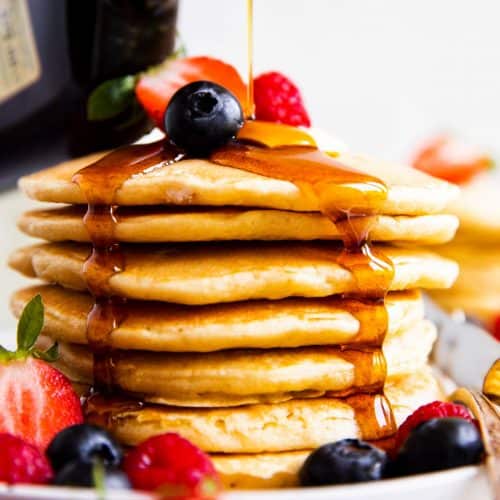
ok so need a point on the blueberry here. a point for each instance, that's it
(439, 443)
(202, 116)
(83, 442)
(77, 473)
(346, 461)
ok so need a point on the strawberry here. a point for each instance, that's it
(436, 409)
(38, 401)
(156, 86)
(173, 467)
(21, 462)
(277, 99)
(448, 159)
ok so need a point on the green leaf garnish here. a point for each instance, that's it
(28, 329)
(30, 324)
(111, 98)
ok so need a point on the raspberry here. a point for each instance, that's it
(277, 99)
(436, 409)
(172, 466)
(21, 462)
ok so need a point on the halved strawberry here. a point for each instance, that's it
(156, 86)
(38, 401)
(451, 160)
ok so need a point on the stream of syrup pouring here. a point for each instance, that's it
(274, 151)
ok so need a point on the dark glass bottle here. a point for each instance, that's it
(76, 45)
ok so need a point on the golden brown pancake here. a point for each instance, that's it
(158, 225)
(298, 424)
(200, 182)
(157, 326)
(212, 273)
(238, 377)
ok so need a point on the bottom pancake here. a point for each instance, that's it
(292, 425)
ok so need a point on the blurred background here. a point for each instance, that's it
(382, 75)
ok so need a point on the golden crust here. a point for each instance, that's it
(292, 425)
(159, 326)
(238, 377)
(200, 182)
(142, 225)
(212, 273)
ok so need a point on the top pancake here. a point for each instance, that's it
(201, 182)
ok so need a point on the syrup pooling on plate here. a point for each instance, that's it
(99, 182)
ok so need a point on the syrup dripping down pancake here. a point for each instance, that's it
(239, 377)
(156, 326)
(201, 182)
(212, 273)
(158, 225)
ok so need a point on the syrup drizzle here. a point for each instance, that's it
(99, 182)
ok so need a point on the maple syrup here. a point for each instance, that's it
(99, 183)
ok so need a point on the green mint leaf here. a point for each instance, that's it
(30, 324)
(111, 98)
(50, 355)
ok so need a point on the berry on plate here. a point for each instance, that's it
(438, 444)
(448, 159)
(495, 330)
(91, 475)
(38, 401)
(345, 461)
(436, 409)
(277, 99)
(173, 466)
(21, 462)
(83, 443)
(155, 87)
(202, 116)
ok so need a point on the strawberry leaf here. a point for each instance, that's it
(98, 478)
(50, 355)
(111, 98)
(30, 324)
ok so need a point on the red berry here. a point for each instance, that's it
(277, 99)
(172, 465)
(496, 328)
(447, 158)
(436, 409)
(38, 401)
(157, 86)
(21, 462)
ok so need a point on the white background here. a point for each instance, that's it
(381, 74)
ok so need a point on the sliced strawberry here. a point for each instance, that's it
(448, 159)
(155, 87)
(38, 401)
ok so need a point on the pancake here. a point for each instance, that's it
(210, 273)
(200, 182)
(238, 377)
(298, 424)
(158, 326)
(479, 210)
(143, 225)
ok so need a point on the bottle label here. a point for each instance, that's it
(19, 62)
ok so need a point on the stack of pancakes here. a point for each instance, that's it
(242, 329)
(477, 250)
